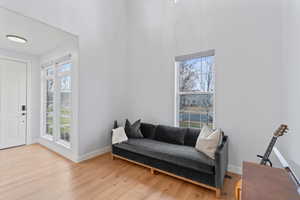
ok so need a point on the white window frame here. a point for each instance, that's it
(183, 58)
(56, 77)
(59, 75)
(45, 78)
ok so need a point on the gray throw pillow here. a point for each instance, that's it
(133, 130)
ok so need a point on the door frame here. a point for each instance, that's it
(28, 138)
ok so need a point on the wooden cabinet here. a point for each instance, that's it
(265, 183)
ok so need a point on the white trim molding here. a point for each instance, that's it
(195, 55)
(93, 154)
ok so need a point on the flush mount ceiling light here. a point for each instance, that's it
(16, 38)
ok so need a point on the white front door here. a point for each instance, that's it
(12, 103)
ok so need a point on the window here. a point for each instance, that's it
(57, 101)
(49, 110)
(65, 97)
(195, 90)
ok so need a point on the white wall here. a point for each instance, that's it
(100, 26)
(34, 70)
(246, 36)
(291, 70)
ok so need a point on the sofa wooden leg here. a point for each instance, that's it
(152, 171)
(112, 156)
(218, 193)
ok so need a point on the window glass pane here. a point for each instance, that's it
(65, 108)
(49, 106)
(196, 75)
(50, 71)
(49, 125)
(64, 68)
(196, 110)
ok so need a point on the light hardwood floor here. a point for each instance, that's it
(35, 173)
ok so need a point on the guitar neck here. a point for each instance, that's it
(268, 151)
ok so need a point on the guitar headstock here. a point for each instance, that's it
(281, 130)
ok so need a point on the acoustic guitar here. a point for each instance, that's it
(279, 132)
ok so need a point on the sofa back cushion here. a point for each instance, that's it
(191, 136)
(170, 134)
(148, 130)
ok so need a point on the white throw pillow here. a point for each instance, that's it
(119, 135)
(208, 140)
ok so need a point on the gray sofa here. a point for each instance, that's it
(171, 150)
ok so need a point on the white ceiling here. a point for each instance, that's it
(41, 38)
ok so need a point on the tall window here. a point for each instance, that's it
(195, 90)
(57, 101)
(49, 101)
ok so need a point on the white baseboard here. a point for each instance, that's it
(235, 169)
(94, 154)
(33, 141)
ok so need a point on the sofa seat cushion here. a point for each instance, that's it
(180, 155)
